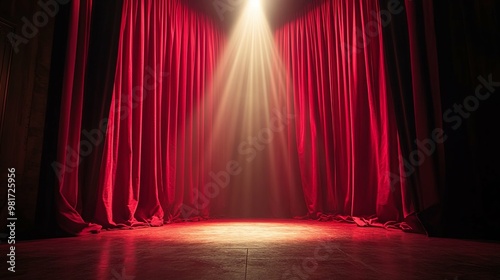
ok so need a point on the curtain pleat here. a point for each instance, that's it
(346, 134)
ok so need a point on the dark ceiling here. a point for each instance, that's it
(226, 12)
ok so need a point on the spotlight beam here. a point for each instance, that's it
(250, 88)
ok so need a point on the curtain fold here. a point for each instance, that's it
(411, 53)
(152, 160)
(347, 141)
(69, 157)
(87, 86)
(98, 89)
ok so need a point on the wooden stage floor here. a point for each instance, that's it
(254, 249)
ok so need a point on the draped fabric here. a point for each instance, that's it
(165, 59)
(411, 52)
(68, 193)
(160, 159)
(346, 134)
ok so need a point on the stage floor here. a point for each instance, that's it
(254, 249)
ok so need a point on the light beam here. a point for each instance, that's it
(250, 102)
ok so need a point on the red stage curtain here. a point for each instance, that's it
(343, 139)
(69, 155)
(346, 134)
(411, 53)
(165, 59)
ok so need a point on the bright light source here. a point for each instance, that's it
(254, 4)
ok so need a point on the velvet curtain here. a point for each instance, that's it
(342, 144)
(347, 138)
(59, 161)
(165, 59)
(67, 166)
(411, 54)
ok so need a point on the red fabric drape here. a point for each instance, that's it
(69, 155)
(165, 59)
(428, 113)
(155, 165)
(346, 135)
(410, 42)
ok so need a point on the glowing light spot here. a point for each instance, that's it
(254, 4)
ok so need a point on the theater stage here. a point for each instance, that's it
(255, 249)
